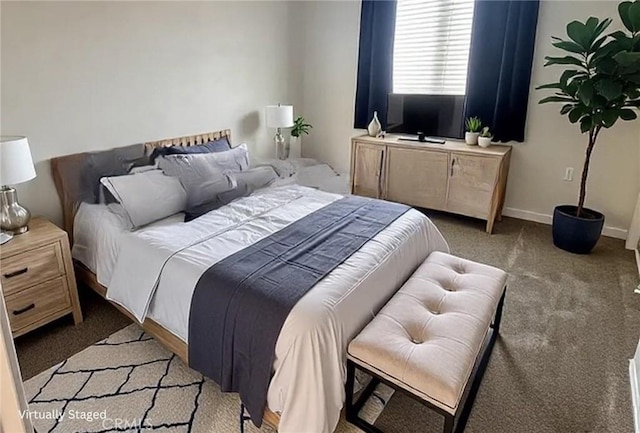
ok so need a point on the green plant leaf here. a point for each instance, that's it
(627, 58)
(634, 78)
(609, 88)
(602, 27)
(634, 16)
(597, 118)
(609, 117)
(566, 108)
(635, 103)
(576, 114)
(591, 24)
(630, 70)
(580, 34)
(585, 92)
(632, 91)
(569, 46)
(572, 87)
(568, 74)
(607, 66)
(555, 99)
(623, 11)
(550, 86)
(566, 60)
(597, 44)
(628, 114)
(619, 35)
(607, 50)
(585, 124)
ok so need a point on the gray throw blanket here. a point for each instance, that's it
(241, 303)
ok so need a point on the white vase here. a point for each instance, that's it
(375, 128)
(484, 141)
(471, 138)
(295, 147)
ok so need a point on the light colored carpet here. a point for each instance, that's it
(128, 381)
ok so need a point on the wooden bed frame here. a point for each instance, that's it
(69, 208)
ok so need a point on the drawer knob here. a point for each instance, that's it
(16, 273)
(24, 310)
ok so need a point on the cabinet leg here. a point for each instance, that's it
(77, 315)
(490, 222)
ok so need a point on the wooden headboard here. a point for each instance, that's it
(77, 176)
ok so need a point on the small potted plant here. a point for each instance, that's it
(300, 128)
(485, 137)
(473, 126)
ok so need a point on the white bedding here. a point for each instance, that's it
(156, 270)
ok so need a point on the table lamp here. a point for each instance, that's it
(16, 166)
(280, 116)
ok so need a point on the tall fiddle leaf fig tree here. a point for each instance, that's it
(601, 82)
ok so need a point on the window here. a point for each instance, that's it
(431, 47)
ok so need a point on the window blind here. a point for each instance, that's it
(431, 46)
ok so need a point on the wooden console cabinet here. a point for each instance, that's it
(452, 177)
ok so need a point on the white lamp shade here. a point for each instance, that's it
(279, 116)
(16, 164)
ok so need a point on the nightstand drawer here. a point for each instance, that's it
(37, 303)
(31, 267)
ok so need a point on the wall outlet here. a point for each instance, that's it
(568, 174)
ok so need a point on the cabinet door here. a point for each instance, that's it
(367, 169)
(472, 181)
(417, 177)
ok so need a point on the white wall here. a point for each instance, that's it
(330, 53)
(79, 76)
(538, 165)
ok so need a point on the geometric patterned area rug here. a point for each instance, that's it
(129, 383)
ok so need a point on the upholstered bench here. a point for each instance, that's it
(430, 338)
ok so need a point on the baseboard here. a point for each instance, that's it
(612, 232)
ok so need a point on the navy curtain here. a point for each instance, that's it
(500, 60)
(375, 61)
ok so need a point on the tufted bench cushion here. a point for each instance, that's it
(428, 336)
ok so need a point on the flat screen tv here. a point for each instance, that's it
(434, 115)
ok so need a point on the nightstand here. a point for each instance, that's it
(36, 273)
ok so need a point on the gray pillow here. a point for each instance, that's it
(200, 179)
(220, 145)
(247, 182)
(236, 159)
(257, 177)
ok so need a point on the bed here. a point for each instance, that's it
(306, 388)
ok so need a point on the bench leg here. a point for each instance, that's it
(449, 421)
(243, 418)
(352, 409)
(351, 374)
(498, 317)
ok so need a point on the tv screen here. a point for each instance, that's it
(435, 115)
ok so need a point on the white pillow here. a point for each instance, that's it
(147, 197)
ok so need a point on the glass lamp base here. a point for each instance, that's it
(282, 147)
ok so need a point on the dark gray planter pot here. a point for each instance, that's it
(576, 234)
